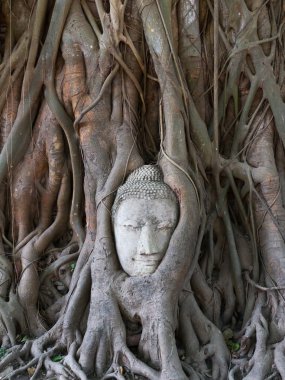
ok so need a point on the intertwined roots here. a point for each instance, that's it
(90, 91)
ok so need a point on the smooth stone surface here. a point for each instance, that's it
(143, 228)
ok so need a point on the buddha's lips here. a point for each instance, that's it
(148, 260)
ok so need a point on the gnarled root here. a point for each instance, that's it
(12, 320)
(195, 331)
(262, 345)
(107, 339)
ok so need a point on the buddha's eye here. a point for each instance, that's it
(164, 226)
(132, 227)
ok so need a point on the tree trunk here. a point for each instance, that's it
(92, 91)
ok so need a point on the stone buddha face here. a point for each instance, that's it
(145, 213)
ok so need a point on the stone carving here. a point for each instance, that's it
(145, 213)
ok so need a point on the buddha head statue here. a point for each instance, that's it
(145, 213)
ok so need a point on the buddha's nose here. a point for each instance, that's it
(147, 243)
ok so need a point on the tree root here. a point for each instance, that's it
(31, 363)
(110, 62)
(279, 354)
(261, 361)
(197, 330)
(16, 352)
(261, 355)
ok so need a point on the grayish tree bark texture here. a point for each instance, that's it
(92, 90)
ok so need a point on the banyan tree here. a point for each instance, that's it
(142, 196)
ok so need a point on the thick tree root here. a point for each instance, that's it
(128, 82)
